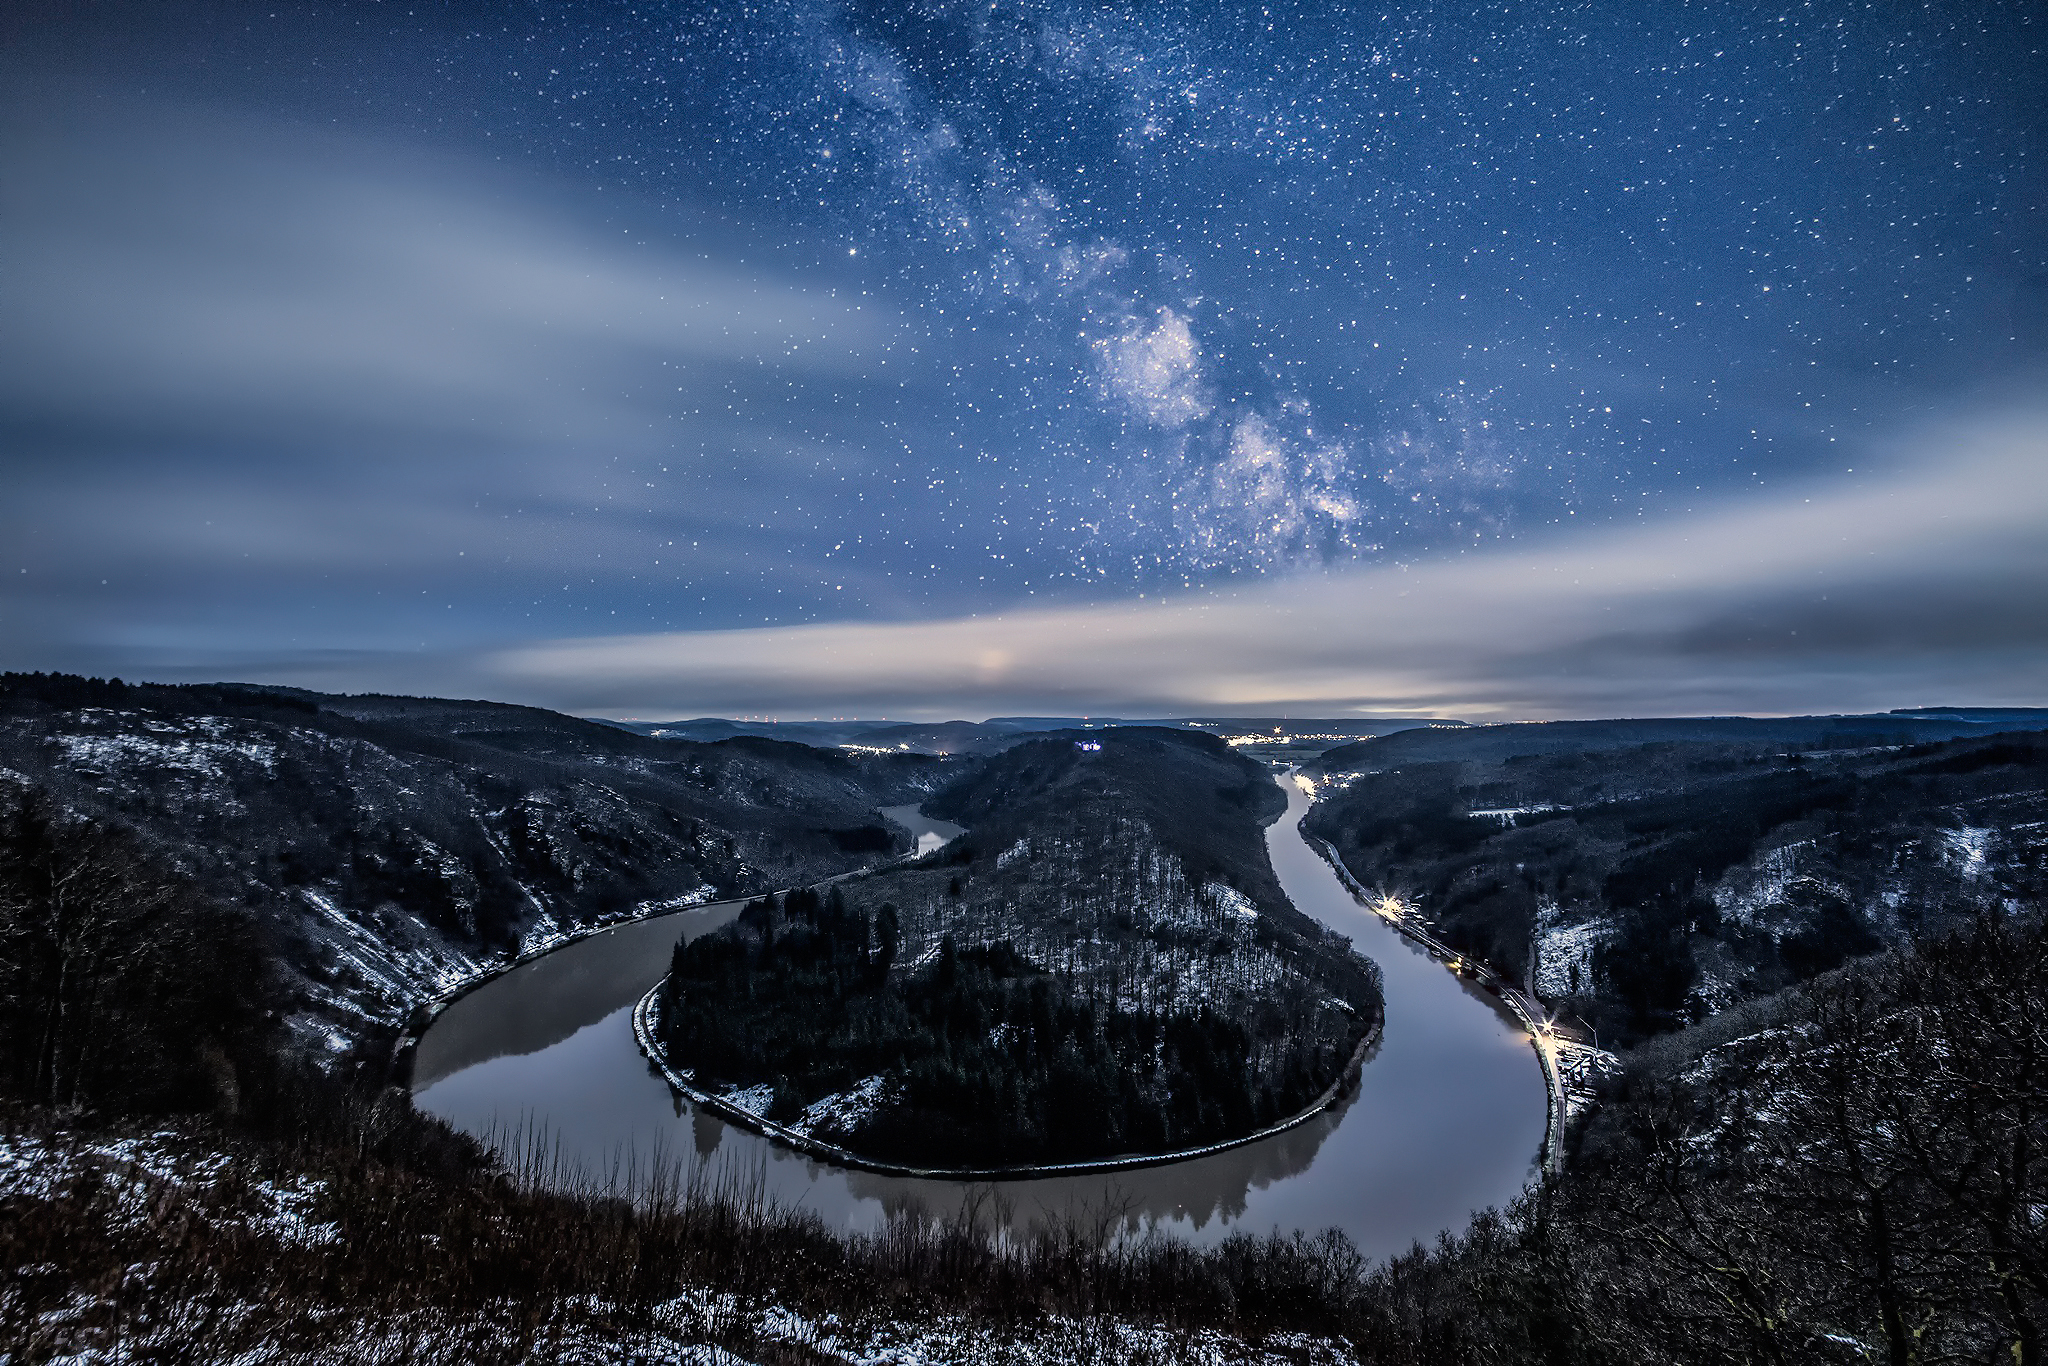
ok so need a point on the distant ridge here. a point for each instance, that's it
(1492, 744)
(1000, 732)
(709, 729)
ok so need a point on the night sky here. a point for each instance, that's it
(906, 359)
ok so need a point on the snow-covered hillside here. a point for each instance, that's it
(396, 848)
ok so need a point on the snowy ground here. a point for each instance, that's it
(1580, 1068)
(685, 1329)
(843, 1113)
(1564, 952)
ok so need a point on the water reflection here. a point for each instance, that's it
(1212, 1192)
(539, 1004)
(930, 833)
(1448, 1116)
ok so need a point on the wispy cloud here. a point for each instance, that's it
(168, 264)
(1923, 583)
(253, 372)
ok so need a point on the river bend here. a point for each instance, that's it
(1448, 1117)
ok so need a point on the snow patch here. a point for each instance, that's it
(845, 1111)
(1966, 848)
(696, 896)
(1564, 951)
(1506, 814)
(755, 1100)
(1230, 901)
(1746, 890)
(197, 748)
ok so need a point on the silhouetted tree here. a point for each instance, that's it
(118, 984)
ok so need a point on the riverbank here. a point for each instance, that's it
(646, 1018)
(1486, 979)
(404, 1052)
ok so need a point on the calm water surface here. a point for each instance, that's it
(931, 834)
(1448, 1117)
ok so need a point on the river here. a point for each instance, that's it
(1448, 1117)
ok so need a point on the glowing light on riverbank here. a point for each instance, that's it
(1389, 907)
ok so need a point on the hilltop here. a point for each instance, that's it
(1104, 965)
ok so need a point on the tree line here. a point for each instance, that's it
(118, 981)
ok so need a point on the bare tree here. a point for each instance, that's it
(1862, 1181)
(116, 980)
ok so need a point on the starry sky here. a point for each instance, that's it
(924, 359)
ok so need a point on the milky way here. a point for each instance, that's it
(1242, 286)
(1066, 303)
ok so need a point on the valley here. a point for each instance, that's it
(223, 906)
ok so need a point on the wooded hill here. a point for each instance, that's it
(391, 847)
(1104, 965)
(1641, 886)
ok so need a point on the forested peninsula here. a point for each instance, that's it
(1103, 967)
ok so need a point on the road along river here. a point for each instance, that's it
(1448, 1117)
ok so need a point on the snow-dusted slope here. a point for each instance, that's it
(1640, 885)
(400, 846)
